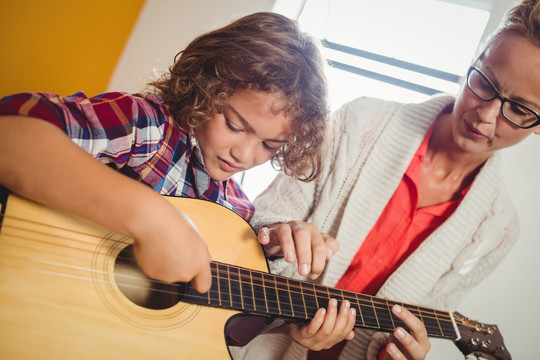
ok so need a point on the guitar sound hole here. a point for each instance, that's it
(139, 288)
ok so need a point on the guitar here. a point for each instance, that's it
(71, 290)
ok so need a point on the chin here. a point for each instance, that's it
(220, 175)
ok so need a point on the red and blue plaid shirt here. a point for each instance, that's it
(136, 134)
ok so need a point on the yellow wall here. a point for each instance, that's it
(62, 46)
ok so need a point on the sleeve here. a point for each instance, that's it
(114, 127)
(238, 200)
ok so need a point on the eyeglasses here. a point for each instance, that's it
(516, 113)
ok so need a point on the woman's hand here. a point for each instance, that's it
(403, 345)
(327, 328)
(300, 241)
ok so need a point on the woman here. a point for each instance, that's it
(414, 194)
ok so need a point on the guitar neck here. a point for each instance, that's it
(261, 293)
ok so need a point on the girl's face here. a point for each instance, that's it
(248, 132)
(512, 64)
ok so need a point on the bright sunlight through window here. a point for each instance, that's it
(403, 50)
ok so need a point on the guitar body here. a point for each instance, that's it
(59, 297)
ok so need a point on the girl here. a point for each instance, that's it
(235, 98)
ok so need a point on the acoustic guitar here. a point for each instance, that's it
(71, 290)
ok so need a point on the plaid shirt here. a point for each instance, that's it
(135, 134)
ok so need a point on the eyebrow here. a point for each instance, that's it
(493, 78)
(248, 126)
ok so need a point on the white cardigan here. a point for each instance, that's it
(369, 147)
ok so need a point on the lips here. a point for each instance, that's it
(473, 132)
(229, 166)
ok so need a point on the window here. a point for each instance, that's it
(403, 50)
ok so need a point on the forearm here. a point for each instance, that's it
(38, 161)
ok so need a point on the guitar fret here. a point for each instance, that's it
(311, 304)
(214, 294)
(290, 298)
(322, 300)
(218, 282)
(271, 300)
(386, 317)
(368, 311)
(390, 314)
(438, 322)
(303, 300)
(298, 302)
(359, 312)
(431, 323)
(259, 293)
(240, 285)
(235, 284)
(383, 314)
(224, 286)
(375, 312)
(284, 297)
(395, 320)
(252, 290)
(229, 285)
(447, 326)
(419, 314)
(246, 290)
(278, 301)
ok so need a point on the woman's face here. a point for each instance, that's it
(247, 133)
(512, 64)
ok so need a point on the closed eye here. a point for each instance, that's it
(231, 126)
(272, 148)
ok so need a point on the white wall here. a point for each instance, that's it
(508, 298)
(165, 27)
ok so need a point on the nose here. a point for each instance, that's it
(244, 152)
(488, 111)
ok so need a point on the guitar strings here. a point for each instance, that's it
(352, 297)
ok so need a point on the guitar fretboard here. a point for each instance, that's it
(261, 293)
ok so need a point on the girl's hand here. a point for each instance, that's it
(403, 345)
(168, 247)
(327, 328)
(299, 240)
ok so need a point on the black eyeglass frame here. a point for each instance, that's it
(502, 98)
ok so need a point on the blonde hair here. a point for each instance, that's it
(522, 20)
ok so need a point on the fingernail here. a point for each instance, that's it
(333, 302)
(400, 333)
(265, 236)
(313, 276)
(347, 304)
(289, 256)
(304, 269)
(392, 349)
(396, 309)
(330, 254)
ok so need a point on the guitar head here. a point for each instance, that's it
(481, 340)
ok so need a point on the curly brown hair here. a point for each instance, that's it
(264, 52)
